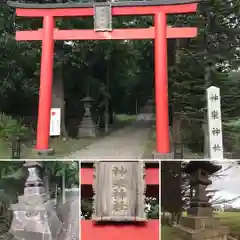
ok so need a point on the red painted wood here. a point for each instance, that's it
(123, 34)
(152, 176)
(136, 10)
(45, 90)
(90, 231)
(161, 83)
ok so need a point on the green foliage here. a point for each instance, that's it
(10, 128)
(86, 208)
(57, 169)
(10, 169)
(152, 209)
(234, 125)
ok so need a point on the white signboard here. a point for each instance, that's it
(214, 123)
(55, 122)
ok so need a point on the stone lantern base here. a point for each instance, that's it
(87, 127)
(201, 228)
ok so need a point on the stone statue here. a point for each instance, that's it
(70, 217)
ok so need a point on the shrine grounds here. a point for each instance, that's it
(230, 219)
(62, 146)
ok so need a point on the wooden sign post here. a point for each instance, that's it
(55, 122)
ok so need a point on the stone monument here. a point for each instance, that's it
(119, 192)
(71, 220)
(87, 126)
(34, 214)
(200, 224)
(146, 113)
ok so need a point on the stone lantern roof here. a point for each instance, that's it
(87, 99)
(208, 166)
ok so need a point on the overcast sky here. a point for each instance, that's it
(229, 184)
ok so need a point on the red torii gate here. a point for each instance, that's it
(159, 32)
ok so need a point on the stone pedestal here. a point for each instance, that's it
(34, 216)
(146, 113)
(178, 150)
(71, 220)
(87, 126)
(200, 223)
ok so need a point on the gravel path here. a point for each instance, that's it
(127, 143)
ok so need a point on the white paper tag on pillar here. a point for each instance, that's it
(55, 122)
(214, 123)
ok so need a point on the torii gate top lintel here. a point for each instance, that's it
(91, 4)
(118, 8)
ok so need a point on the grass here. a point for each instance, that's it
(125, 118)
(167, 233)
(64, 147)
(61, 148)
(230, 219)
(151, 147)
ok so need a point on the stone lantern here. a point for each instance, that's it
(200, 173)
(34, 214)
(87, 126)
(200, 223)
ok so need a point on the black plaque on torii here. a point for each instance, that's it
(103, 17)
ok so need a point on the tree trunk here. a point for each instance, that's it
(46, 181)
(177, 129)
(163, 218)
(106, 118)
(176, 126)
(58, 100)
(110, 112)
(206, 140)
(208, 82)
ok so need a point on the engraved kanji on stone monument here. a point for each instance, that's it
(119, 191)
(214, 123)
(120, 202)
(102, 17)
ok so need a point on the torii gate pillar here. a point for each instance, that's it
(161, 83)
(46, 79)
